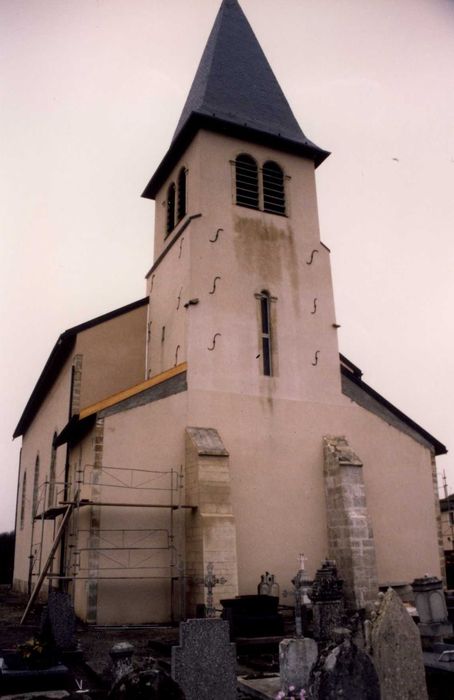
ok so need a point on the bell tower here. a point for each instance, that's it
(240, 287)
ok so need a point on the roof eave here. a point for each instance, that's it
(438, 447)
(199, 121)
(56, 360)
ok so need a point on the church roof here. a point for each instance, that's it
(57, 359)
(236, 92)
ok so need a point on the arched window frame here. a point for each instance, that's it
(267, 187)
(247, 181)
(273, 184)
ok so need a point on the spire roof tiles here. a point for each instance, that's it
(235, 91)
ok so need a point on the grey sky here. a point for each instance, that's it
(91, 91)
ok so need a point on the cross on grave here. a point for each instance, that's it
(301, 585)
(210, 581)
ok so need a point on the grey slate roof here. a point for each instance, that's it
(235, 91)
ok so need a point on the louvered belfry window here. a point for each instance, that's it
(273, 188)
(247, 181)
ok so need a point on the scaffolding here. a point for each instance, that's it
(120, 553)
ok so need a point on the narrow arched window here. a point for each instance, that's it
(171, 208)
(181, 204)
(246, 181)
(22, 500)
(265, 318)
(53, 460)
(35, 488)
(273, 188)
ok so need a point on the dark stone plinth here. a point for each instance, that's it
(21, 678)
(253, 616)
(204, 664)
(347, 672)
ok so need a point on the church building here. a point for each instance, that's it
(214, 421)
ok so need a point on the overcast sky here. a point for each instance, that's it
(91, 91)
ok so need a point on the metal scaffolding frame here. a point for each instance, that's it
(130, 550)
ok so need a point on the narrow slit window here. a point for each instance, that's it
(53, 460)
(181, 203)
(171, 208)
(273, 188)
(22, 501)
(35, 488)
(247, 181)
(266, 333)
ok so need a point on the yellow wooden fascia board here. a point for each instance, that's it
(132, 391)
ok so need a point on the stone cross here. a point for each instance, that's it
(300, 585)
(210, 581)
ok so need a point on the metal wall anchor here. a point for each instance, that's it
(317, 353)
(309, 262)
(315, 306)
(214, 341)
(181, 245)
(214, 285)
(213, 240)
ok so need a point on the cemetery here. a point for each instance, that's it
(315, 647)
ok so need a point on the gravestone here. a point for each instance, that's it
(61, 620)
(204, 664)
(327, 599)
(395, 645)
(346, 672)
(121, 655)
(296, 660)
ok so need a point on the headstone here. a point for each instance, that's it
(326, 596)
(62, 620)
(301, 585)
(296, 660)
(432, 610)
(396, 651)
(347, 672)
(204, 664)
(121, 655)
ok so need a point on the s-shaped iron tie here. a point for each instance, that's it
(214, 284)
(317, 353)
(309, 262)
(214, 341)
(213, 240)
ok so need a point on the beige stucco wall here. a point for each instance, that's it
(113, 355)
(278, 493)
(51, 418)
(145, 439)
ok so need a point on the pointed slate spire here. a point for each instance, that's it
(235, 91)
(235, 82)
